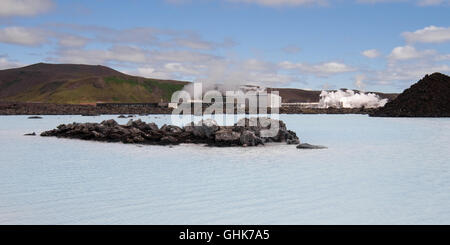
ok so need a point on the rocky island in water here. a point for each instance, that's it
(206, 132)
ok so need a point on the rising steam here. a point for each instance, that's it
(350, 99)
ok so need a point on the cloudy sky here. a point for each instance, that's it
(382, 45)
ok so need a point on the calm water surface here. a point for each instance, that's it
(376, 171)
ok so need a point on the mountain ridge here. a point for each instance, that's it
(89, 84)
(78, 84)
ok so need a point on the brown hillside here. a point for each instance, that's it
(75, 84)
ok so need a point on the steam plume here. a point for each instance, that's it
(350, 99)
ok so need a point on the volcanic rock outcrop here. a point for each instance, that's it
(247, 132)
(309, 146)
(430, 97)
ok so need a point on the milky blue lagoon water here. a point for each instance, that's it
(375, 171)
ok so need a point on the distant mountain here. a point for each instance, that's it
(78, 84)
(429, 97)
(88, 84)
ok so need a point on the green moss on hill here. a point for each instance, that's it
(167, 88)
(116, 89)
(119, 80)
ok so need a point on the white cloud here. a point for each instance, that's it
(5, 63)
(359, 82)
(150, 73)
(180, 68)
(231, 72)
(95, 57)
(417, 2)
(432, 2)
(283, 2)
(380, 1)
(274, 3)
(371, 53)
(251, 71)
(279, 3)
(430, 34)
(145, 37)
(182, 56)
(72, 41)
(211, 70)
(321, 70)
(406, 65)
(399, 74)
(194, 44)
(329, 68)
(22, 36)
(167, 54)
(228, 73)
(192, 40)
(409, 52)
(291, 49)
(24, 7)
(178, 1)
(442, 57)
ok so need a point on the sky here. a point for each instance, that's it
(372, 45)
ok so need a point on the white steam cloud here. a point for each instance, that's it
(222, 88)
(350, 99)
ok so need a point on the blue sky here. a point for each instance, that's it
(381, 45)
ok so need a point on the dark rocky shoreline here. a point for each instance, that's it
(204, 132)
(16, 108)
(13, 108)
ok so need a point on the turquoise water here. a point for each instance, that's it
(375, 171)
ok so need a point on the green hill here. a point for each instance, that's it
(79, 84)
